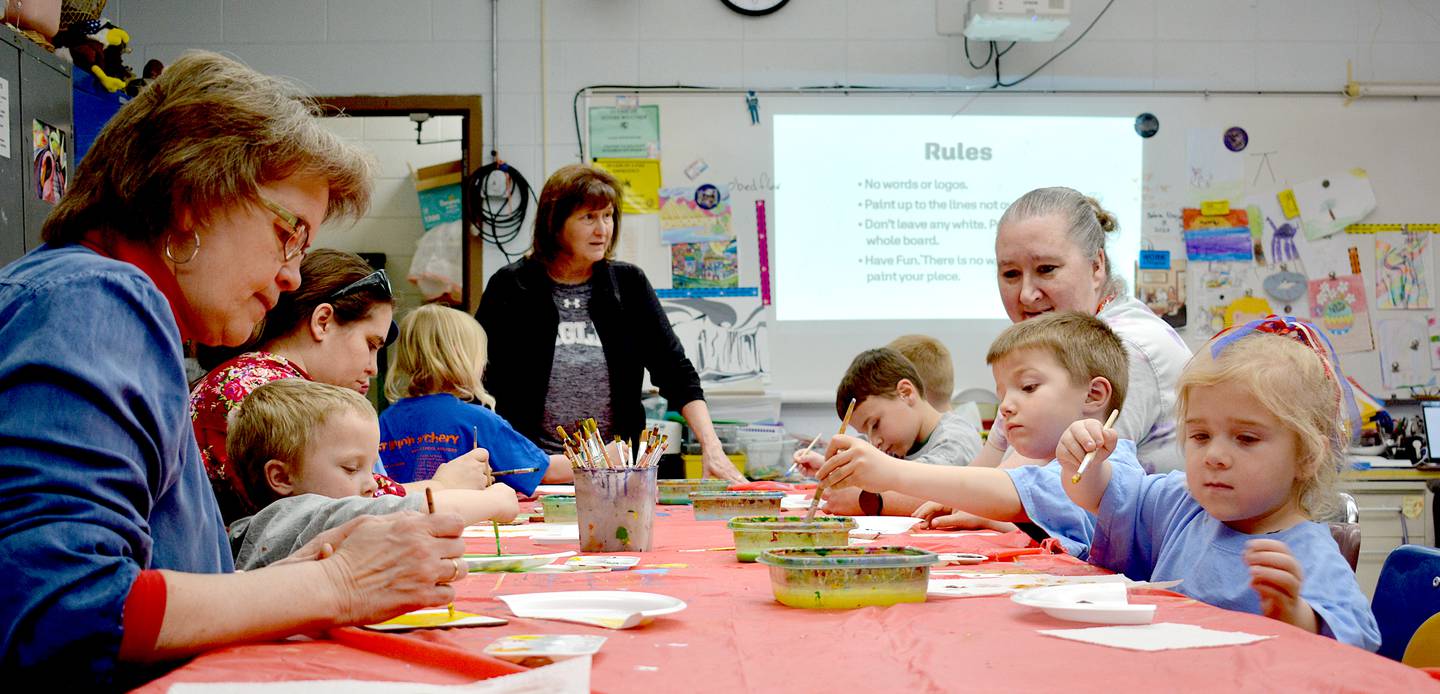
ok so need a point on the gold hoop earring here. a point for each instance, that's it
(194, 249)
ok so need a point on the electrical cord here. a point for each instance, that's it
(497, 225)
(1001, 83)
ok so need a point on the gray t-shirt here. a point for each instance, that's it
(286, 525)
(953, 442)
(580, 376)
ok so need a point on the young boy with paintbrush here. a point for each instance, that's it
(892, 410)
(303, 451)
(1049, 371)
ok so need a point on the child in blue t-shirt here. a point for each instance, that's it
(1049, 371)
(441, 407)
(1263, 412)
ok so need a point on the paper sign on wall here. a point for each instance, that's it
(639, 183)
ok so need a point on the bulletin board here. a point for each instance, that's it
(1330, 155)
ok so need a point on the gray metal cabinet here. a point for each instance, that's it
(37, 86)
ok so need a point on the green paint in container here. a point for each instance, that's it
(558, 508)
(755, 534)
(848, 577)
(677, 492)
(727, 505)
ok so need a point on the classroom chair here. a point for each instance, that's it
(1407, 605)
(1347, 536)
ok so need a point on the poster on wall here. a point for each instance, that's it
(1404, 358)
(1162, 288)
(694, 215)
(704, 265)
(1402, 270)
(48, 158)
(624, 133)
(726, 338)
(639, 183)
(1337, 306)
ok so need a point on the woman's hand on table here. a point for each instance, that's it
(717, 464)
(389, 565)
(470, 470)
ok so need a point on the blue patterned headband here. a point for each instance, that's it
(1305, 334)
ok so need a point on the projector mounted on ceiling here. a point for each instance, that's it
(1004, 20)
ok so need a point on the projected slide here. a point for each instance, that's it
(893, 217)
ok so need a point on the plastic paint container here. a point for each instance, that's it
(755, 534)
(615, 508)
(846, 577)
(676, 492)
(559, 508)
(727, 505)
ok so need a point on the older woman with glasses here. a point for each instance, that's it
(185, 224)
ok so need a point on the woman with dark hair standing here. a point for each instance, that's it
(573, 331)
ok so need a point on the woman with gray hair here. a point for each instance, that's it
(1050, 256)
(186, 221)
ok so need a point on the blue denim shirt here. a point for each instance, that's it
(100, 476)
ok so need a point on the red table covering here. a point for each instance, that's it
(734, 637)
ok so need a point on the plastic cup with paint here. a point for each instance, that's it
(755, 534)
(615, 508)
(559, 508)
(727, 505)
(848, 577)
(677, 492)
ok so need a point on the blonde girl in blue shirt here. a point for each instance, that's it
(1265, 416)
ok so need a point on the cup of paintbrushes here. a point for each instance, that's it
(615, 508)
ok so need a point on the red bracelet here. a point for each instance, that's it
(144, 612)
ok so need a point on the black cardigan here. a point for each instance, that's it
(518, 313)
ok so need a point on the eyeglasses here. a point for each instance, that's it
(297, 236)
(377, 279)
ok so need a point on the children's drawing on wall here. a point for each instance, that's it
(1403, 354)
(1402, 270)
(1331, 203)
(1217, 237)
(704, 265)
(1337, 306)
(1288, 288)
(695, 215)
(725, 338)
(48, 158)
(1245, 309)
(1210, 163)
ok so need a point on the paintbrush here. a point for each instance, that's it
(844, 424)
(1085, 462)
(808, 448)
(516, 471)
(430, 508)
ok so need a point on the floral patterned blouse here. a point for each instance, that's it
(211, 402)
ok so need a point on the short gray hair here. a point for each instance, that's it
(1085, 219)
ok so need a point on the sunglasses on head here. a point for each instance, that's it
(377, 279)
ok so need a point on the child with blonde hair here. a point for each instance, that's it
(1263, 411)
(441, 407)
(932, 363)
(303, 452)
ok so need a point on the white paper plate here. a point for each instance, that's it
(598, 607)
(511, 562)
(555, 489)
(885, 525)
(1097, 603)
